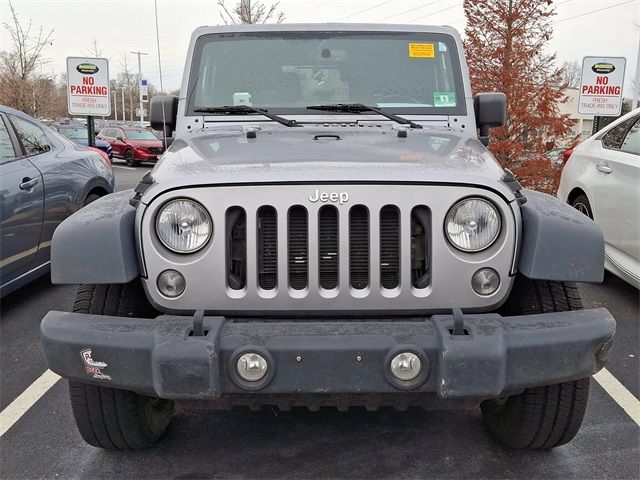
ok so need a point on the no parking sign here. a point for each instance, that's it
(88, 86)
(601, 86)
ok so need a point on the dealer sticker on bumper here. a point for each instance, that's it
(93, 367)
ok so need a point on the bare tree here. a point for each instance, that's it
(21, 77)
(246, 11)
(571, 73)
(127, 82)
(93, 50)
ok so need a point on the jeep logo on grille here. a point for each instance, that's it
(335, 197)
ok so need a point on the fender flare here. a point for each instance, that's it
(558, 242)
(96, 245)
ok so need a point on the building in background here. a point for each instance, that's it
(583, 123)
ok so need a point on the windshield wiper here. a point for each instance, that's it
(245, 109)
(360, 108)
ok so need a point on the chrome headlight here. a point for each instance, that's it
(472, 224)
(184, 226)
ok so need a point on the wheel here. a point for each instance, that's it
(128, 157)
(107, 417)
(92, 197)
(581, 203)
(541, 417)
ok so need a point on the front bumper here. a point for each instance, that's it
(146, 156)
(162, 357)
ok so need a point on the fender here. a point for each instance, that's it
(97, 243)
(558, 242)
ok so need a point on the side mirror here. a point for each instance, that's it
(491, 111)
(164, 113)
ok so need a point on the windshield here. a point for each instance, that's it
(74, 133)
(140, 135)
(287, 71)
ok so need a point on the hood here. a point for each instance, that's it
(85, 142)
(330, 154)
(144, 143)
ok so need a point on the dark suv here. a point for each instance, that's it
(135, 145)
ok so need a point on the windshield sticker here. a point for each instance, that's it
(442, 47)
(242, 98)
(437, 142)
(422, 50)
(444, 99)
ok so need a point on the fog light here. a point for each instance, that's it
(251, 367)
(171, 283)
(485, 281)
(406, 366)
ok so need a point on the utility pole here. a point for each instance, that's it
(155, 6)
(124, 117)
(140, 85)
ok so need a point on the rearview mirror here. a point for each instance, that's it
(164, 113)
(491, 111)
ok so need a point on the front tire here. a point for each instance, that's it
(541, 417)
(92, 197)
(107, 417)
(128, 158)
(581, 203)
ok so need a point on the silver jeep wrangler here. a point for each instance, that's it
(328, 228)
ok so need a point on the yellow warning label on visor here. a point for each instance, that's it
(421, 50)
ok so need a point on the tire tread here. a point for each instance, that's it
(106, 417)
(546, 416)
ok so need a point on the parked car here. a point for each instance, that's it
(44, 178)
(135, 145)
(341, 236)
(602, 180)
(555, 156)
(78, 134)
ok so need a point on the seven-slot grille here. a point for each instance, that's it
(320, 230)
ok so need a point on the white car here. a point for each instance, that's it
(602, 180)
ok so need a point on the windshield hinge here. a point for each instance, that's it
(143, 185)
(512, 182)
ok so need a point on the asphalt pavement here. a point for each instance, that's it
(240, 444)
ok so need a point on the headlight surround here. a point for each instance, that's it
(183, 225)
(472, 224)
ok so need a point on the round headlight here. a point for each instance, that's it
(184, 226)
(472, 224)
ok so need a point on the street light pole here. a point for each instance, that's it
(155, 6)
(637, 85)
(140, 85)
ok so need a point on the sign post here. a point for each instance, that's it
(601, 87)
(88, 90)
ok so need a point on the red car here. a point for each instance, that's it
(135, 145)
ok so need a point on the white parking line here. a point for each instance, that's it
(619, 393)
(16, 409)
(126, 168)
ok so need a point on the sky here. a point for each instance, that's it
(122, 26)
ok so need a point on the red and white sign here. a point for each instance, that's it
(88, 91)
(601, 86)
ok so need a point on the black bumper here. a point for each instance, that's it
(161, 357)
